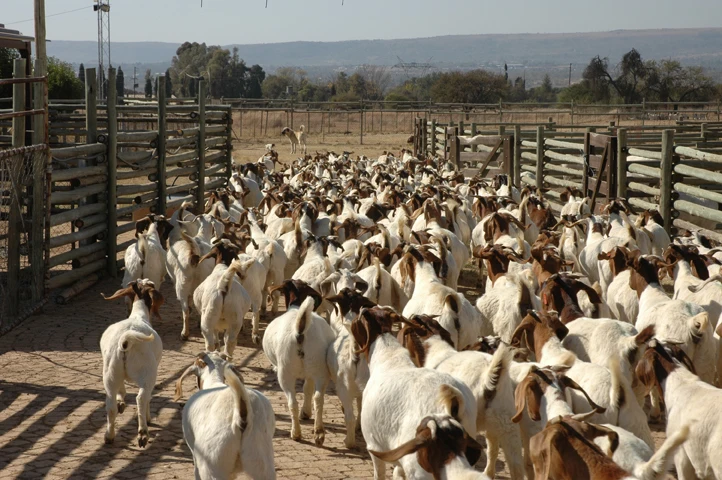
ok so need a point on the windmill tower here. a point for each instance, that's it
(103, 9)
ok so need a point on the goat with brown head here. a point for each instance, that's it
(141, 290)
(296, 291)
(538, 328)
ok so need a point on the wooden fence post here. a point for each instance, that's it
(40, 162)
(587, 155)
(517, 156)
(361, 121)
(474, 148)
(229, 143)
(14, 214)
(112, 197)
(622, 163)
(665, 182)
(539, 157)
(433, 137)
(201, 189)
(161, 175)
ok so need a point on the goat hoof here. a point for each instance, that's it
(109, 440)
(296, 436)
(121, 407)
(142, 439)
(255, 338)
(305, 416)
(319, 437)
(350, 443)
(184, 338)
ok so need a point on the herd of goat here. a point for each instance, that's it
(572, 349)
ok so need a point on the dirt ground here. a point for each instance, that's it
(250, 149)
(52, 411)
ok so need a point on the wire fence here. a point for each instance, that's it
(16, 243)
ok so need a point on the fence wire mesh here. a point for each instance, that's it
(16, 243)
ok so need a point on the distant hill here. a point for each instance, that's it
(690, 46)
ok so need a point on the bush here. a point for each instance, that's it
(62, 82)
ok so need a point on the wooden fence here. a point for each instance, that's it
(676, 170)
(266, 117)
(112, 164)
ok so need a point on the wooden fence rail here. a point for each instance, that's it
(677, 171)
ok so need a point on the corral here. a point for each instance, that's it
(113, 164)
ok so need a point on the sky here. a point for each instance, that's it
(248, 21)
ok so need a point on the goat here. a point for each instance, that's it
(397, 394)
(228, 427)
(443, 449)
(131, 352)
(296, 344)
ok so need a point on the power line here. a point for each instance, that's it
(53, 15)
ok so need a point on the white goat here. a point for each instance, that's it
(131, 352)
(228, 427)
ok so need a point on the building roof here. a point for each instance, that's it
(10, 38)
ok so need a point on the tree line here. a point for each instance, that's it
(632, 80)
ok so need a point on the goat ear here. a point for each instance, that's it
(157, 300)
(568, 382)
(528, 395)
(473, 450)
(123, 292)
(412, 446)
(361, 285)
(645, 372)
(192, 370)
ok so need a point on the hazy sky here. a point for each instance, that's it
(248, 21)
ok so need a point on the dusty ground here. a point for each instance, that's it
(52, 413)
(251, 149)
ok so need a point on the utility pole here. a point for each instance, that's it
(103, 9)
(135, 80)
(570, 74)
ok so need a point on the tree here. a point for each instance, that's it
(256, 77)
(630, 81)
(475, 86)
(81, 73)
(376, 81)
(62, 81)
(7, 57)
(674, 83)
(544, 93)
(168, 85)
(120, 82)
(149, 84)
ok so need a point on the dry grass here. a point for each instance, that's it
(251, 149)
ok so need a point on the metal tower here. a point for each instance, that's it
(103, 9)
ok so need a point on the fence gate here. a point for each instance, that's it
(599, 180)
(22, 254)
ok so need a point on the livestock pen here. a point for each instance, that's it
(107, 165)
(671, 168)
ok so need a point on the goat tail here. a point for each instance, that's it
(242, 413)
(127, 339)
(629, 225)
(499, 366)
(617, 392)
(714, 278)
(195, 249)
(301, 128)
(142, 247)
(452, 400)
(226, 280)
(662, 459)
(303, 319)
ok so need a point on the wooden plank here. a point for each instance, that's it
(559, 143)
(494, 153)
(694, 228)
(599, 140)
(645, 153)
(488, 140)
(665, 183)
(540, 157)
(600, 175)
(161, 146)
